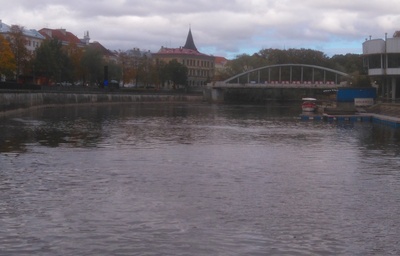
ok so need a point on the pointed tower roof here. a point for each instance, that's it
(189, 42)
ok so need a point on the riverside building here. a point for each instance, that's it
(200, 66)
(382, 59)
(33, 39)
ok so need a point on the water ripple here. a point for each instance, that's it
(195, 180)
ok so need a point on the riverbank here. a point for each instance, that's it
(11, 102)
(387, 114)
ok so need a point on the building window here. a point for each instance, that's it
(394, 60)
(374, 61)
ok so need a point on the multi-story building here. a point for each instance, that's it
(33, 38)
(382, 59)
(200, 66)
(64, 36)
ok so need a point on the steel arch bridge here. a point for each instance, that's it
(287, 75)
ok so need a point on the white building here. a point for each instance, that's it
(32, 36)
(382, 59)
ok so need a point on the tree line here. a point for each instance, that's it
(55, 63)
(351, 64)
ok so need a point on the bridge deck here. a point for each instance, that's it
(276, 85)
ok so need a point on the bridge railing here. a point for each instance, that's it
(300, 82)
(290, 73)
(280, 84)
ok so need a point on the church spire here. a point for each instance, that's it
(189, 42)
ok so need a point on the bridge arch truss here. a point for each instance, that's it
(289, 73)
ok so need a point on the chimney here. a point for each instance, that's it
(63, 31)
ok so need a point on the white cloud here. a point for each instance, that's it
(224, 26)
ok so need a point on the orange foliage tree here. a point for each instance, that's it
(7, 60)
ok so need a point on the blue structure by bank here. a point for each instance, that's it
(350, 94)
(368, 117)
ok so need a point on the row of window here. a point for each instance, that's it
(199, 72)
(30, 43)
(196, 83)
(379, 61)
(197, 63)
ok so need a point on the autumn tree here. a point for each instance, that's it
(143, 71)
(137, 67)
(75, 54)
(7, 60)
(153, 73)
(18, 46)
(127, 70)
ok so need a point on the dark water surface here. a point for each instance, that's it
(177, 179)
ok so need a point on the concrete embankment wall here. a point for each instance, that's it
(11, 101)
(259, 95)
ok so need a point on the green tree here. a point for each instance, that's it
(114, 70)
(161, 73)
(294, 56)
(7, 60)
(348, 63)
(353, 65)
(93, 66)
(177, 73)
(244, 63)
(51, 62)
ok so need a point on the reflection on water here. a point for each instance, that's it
(177, 179)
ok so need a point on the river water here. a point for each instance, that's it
(196, 179)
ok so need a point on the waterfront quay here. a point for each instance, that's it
(390, 121)
(387, 114)
(11, 101)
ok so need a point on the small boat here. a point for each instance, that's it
(309, 104)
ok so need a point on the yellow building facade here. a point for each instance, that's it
(200, 66)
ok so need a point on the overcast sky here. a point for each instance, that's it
(219, 27)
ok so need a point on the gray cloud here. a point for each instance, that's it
(219, 27)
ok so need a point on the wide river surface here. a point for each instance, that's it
(196, 179)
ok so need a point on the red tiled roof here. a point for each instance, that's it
(60, 34)
(183, 51)
(220, 60)
(101, 48)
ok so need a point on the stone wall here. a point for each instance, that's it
(10, 101)
(261, 95)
